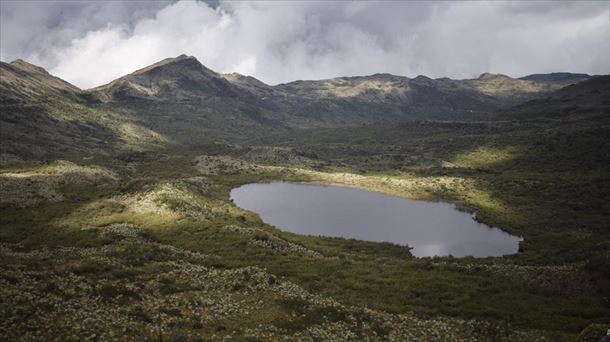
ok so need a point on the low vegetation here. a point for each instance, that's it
(151, 245)
(116, 221)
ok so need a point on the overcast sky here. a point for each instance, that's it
(91, 43)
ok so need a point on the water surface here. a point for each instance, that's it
(431, 228)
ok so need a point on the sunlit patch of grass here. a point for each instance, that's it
(486, 156)
(136, 135)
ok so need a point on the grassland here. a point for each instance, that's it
(150, 245)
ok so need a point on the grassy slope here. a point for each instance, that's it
(43, 117)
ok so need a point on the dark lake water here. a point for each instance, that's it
(431, 228)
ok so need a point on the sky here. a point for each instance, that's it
(91, 43)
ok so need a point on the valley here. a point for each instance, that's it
(117, 221)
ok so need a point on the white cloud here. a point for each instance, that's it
(283, 41)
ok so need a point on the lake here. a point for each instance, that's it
(431, 228)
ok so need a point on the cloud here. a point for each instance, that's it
(32, 29)
(276, 42)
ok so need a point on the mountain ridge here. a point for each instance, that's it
(44, 116)
(17, 74)
(556, 76)
(587, 99)
(180, 100)
(546, 77)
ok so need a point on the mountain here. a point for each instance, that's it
(182, 90)
(44, 116)
(173, 79)
(385, 97)
(180, 101)
(181, 98)
(509, 91)
(556, 77)
(22, 81)
(587, 99)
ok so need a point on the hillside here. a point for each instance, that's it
(23, 81)
(183, 81)
(182, 98)
(587, 99)
(174, 79)
(179, 100)
(567, 129)
(397, 98)
(557, 77)
(43, 116)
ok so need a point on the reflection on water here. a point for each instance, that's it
(431, 228)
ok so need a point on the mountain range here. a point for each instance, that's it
(179, 100)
